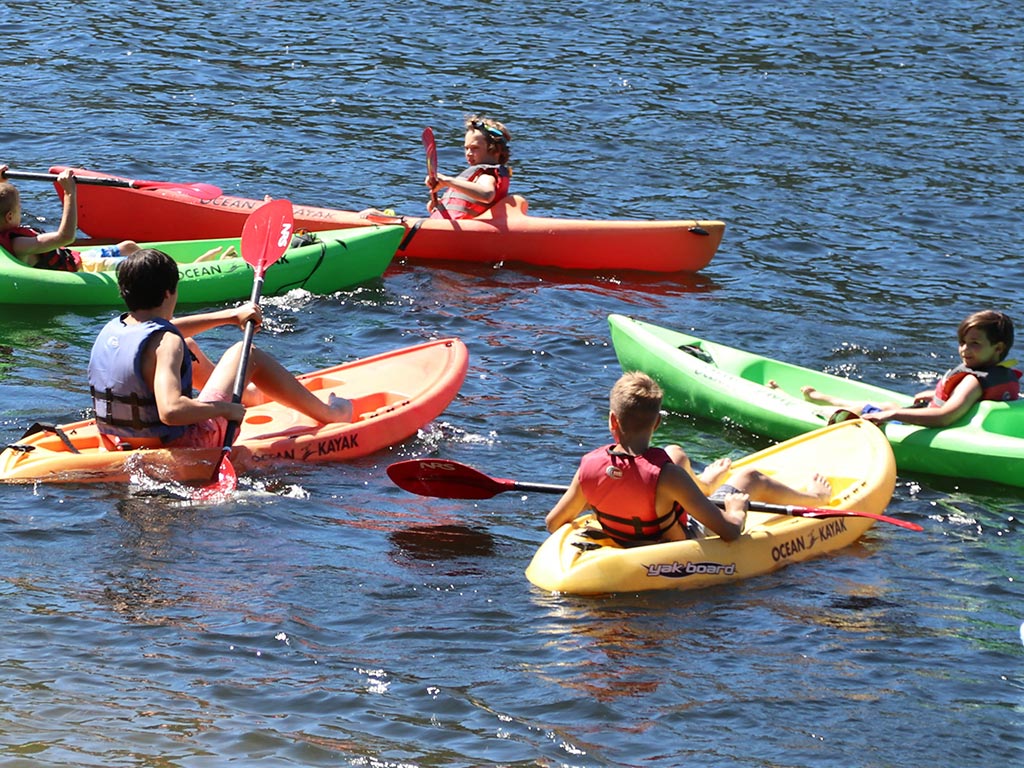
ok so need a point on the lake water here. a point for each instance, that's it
(867, 158)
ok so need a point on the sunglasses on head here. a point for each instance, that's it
(488, 130)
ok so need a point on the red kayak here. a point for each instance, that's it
(116, 208)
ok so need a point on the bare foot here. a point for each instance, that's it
(812, 395)
(772, 384)
(820, 487)
(714, 472)
(341, 409)
(210, 255)
(229, 253)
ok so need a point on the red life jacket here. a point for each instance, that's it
(61, 259)
(628, 485)
(460, 206)
(997, 383)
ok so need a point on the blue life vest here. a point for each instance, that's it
(125, 404)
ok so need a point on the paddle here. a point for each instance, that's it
(431, 149)
(266, 236)
(203, 191)
(451, 480)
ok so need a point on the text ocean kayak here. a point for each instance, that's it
(506, 233)
(394, 394)
(854, 455)
(715, 381)
(340, 259)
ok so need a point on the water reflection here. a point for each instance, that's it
(448, 549)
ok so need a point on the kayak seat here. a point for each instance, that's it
(377, 404)
(1002, 418)
(695, 350)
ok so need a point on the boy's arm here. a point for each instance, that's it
(193, 325)
(966, 394)
(65, 235)
(482, 190)
(568, 508)
(675, 485)
(163, 357)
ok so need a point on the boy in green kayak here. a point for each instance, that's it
(985, 339)
(48, 250)
(643, 494)
(144, 364)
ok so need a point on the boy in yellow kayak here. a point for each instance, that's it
(643, 494)
(145, 363)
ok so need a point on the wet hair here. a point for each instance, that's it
(496, 135)
(636, 401)
(9, 197)
(996, 326)
(145, 277)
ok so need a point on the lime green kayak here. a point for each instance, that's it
(718, 382)
(337, 260)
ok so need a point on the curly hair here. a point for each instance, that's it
(496, 135)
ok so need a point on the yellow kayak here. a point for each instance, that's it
(854, 455)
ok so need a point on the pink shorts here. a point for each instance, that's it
(206, 434)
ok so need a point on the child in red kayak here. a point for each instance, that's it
(484, 182)
(642, 494)
(48, 250)
(145, 362)
(985, 339)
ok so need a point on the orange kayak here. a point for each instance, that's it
(394, 395)
(150, 211)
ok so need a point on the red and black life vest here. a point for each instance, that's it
(63, 259)
(997, 383)
(460, 206)
(622, 489)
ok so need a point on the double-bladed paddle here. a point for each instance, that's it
(451, 480)
(430, 146)
(203, 191)
(266, 236)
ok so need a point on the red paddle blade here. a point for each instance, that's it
(431, 149)
(445, 479)
(267, 234)
(224, 484)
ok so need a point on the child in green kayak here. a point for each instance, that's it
(484, 182)
(144, 364)
(985, 339)
(643, 494)
(48, 250)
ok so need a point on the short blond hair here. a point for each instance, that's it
(636, 401)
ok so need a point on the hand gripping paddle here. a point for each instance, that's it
(266, 236)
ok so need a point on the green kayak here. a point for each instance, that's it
(338, 259)
(714, 381)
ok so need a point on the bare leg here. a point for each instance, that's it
(710, 477)
(275, 382)
(761, 487)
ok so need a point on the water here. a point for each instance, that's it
(867, 160)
